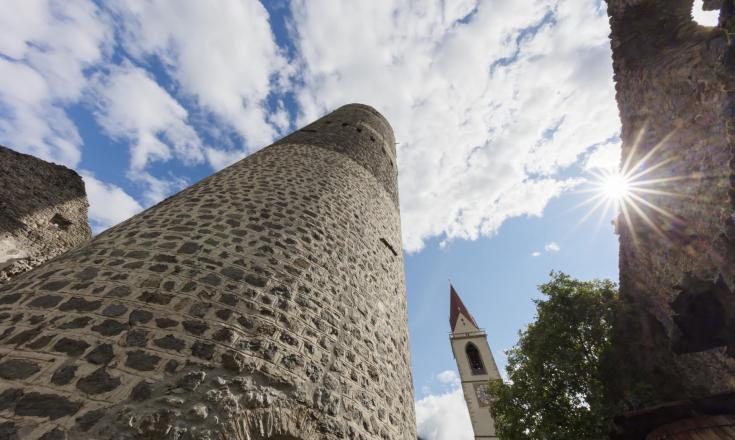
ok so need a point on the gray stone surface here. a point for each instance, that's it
(674, 83)
(43, 212)
(261, 303)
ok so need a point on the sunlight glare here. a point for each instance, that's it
(634, 193)
(615, 187)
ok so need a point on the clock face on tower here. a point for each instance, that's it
(483, 394)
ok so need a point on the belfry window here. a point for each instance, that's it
(473, 357)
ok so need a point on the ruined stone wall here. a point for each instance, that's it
(265, 302)
(43, 212)
(674, 82)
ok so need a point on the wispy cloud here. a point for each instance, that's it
(45, 50)
(222, 52)
(448, 377)
(130, 105)
(483, 136)
(552, 247)
(604, 157)
(535, 254)
(108, 204)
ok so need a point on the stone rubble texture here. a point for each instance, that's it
(676, 337)
(43, 212)
(264, 302)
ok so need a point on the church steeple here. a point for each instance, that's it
(457, 309)
(475, 364)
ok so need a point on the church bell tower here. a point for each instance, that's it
(475, 363)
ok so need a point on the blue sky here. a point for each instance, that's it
(501, 109)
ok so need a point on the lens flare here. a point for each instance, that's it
(615, 187)
(636, 195)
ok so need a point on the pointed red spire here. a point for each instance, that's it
(456, 307)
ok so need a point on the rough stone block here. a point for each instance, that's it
(43, 212)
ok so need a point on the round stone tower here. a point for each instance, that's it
(264, 302)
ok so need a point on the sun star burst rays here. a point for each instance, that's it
(634, 194)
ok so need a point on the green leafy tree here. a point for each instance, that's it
(558, 372)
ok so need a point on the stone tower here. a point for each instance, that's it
(43, 212)
(264, 302)
(475, 363)
(676, 335)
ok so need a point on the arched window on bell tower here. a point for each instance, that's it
(474, 359)
(475, 364)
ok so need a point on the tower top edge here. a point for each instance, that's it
(368, 108)
(359, 132)
(386, 131)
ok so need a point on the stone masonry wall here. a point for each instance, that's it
(264, 302)
(675, 85)
(43, 212)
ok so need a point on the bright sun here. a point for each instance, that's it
(610, 192)
(630, 194)
(615, 187)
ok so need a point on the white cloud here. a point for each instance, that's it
(222, 53)
(219, 158)
(130, 105)
(490, 100)
(604, 157)
(552, 247)
(155, 188)
(108, 204)
(702, 17)
(213, 53)
(535, 254)
(30, 122)
(448, 377)
(487, 107)
(444, 416)
(46, 46)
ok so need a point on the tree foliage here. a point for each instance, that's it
(558, 370)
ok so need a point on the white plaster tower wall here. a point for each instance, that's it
(476, 366)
